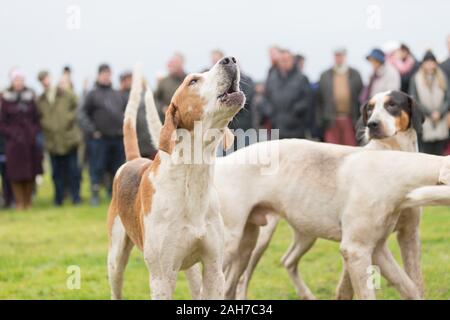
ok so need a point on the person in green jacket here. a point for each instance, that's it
(57, 108)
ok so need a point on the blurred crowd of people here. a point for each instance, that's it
(86, 130)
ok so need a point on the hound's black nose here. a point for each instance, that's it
(373, 124)
(228, 60)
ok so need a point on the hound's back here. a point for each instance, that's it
(126, 198)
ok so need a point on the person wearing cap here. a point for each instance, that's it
(430, 88)
(101, 119)
(384, 77)
(58, 110)
(19, 123)
(170, 83)
(337, 100)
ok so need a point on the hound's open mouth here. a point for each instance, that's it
(232, 95)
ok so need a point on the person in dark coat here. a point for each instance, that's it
(289, 97)
(19, 123)
(101, 119)
(7, 195)
(338, 101)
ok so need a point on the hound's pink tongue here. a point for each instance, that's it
(234, 99)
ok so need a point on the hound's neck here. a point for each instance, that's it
(190, 169)
(191, 185)
(402, 141)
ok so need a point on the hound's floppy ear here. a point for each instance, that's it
(360, 131)
(228, 139)
(166, 141)
(364, 117)
(417, 117)
(361, 124)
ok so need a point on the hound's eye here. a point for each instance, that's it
(193, 81)
(391, 106)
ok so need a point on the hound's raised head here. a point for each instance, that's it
(211, 99)
(388, 113)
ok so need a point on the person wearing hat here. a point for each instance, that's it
(429, 87)
(384, 77)
(337, 100)
(58, 110)
(101, 118)
(19, 123)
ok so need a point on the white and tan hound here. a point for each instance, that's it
(169, 208)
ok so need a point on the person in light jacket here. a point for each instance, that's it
(429, 86)
(384, 77)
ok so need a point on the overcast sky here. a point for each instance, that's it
(46, 34)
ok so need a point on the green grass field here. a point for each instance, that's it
(37, 247)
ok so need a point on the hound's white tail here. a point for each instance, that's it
(428, 196)
(129, 125)
(153, 121)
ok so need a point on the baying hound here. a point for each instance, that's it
(169, 208)
(353, 195)
(389, 121)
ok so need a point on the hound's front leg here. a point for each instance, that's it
(163, 273)
(408, 238)
(163, 278)
(358, 259)
(194, 278)
(213, 284)
(213, 280)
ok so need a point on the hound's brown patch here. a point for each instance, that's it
(127, 199)
(147, 190)
(402, 121)
(185, 108)
(190, 106)
(166, 141)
